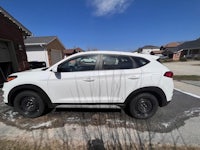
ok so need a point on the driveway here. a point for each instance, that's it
(169, 125)
(184, 68)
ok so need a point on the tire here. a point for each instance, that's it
(29, 104)
(143, 106)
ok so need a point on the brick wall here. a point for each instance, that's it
(10, 31)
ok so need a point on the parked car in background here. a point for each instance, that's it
(37, 64)
(135, 82)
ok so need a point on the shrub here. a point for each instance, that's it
(183, 59)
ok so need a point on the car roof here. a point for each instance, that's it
(147, 56)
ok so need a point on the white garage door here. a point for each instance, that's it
(56, 55)
(4, 52)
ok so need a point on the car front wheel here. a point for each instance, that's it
(143, 106)
(29, 104)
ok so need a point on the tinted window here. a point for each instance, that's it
(140, 61)
(116, 62)
(83, 63)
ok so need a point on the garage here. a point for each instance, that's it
(46, 49)
(5, 61)
(56, 56)
(13, 56)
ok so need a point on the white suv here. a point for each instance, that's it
(136, 82)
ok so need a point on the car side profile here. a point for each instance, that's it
(135, 82)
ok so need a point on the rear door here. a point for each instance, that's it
(118, 77)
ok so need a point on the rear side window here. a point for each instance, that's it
(116, 62)
(140, 61)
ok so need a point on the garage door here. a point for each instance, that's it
(56, 55)
(4, 52)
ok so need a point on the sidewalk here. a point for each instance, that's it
(189, 88)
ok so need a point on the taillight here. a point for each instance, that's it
(10, 78)
(169, 74)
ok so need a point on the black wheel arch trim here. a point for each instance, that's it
(31, 87)
(156, 91)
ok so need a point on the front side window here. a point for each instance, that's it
(83, 63)
(116, 62)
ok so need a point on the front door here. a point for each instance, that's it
(76, 81)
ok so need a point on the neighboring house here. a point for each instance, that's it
(148, 49)
(72, 51)
(13, 56)
(190, 49)
(177, 55)
(46, 49)
(170, 49)
(157, 53)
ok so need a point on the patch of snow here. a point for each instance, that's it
(115, 120)
(73, 119)
(192, 112)
(166, 124)
(45, 124)
(10, 115)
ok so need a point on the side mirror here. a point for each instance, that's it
(55, 69)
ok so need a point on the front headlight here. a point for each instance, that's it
(10, 78)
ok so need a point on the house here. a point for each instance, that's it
(190, 49)
(46, 49)
(72, 51)
(170, 49)
(148, 49)
(13, 56)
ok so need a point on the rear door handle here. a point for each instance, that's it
(89, 80)
(133, 77)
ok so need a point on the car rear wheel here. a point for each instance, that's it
(29, 104)
(143, 106)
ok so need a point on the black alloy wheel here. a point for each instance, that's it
(29, 104)
(143, 106)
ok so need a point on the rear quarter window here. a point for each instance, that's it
(140, 61)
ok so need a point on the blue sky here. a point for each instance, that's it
(123, 25)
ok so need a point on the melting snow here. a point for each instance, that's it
(166, 124)
(45, 124)
(10, 115)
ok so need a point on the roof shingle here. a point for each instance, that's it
(39, 40)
